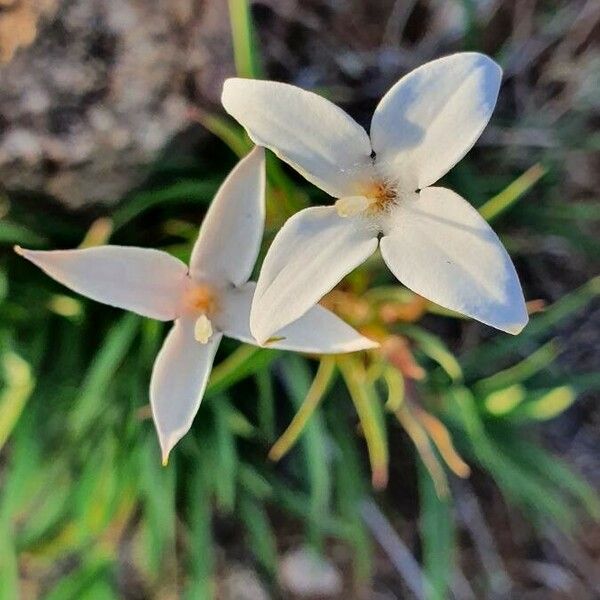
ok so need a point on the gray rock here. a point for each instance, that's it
(305, 574)
(242, 583)
(103, 88)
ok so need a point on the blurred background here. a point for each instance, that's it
(456, 462)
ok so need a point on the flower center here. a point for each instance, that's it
(201, 300)
(376, 198)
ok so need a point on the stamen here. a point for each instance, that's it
(203, 329)
(348, 206)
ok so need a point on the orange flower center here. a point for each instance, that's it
(201, 299)
(381, 196)
(372, 199)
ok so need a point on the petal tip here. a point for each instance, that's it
(20, 251)
(165, 449)
(369, 344)
(167, 444)
(258, 330)
(517, 327)
(493, 65)
(483, 59)
(260, 339)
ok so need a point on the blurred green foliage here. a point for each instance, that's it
(84, 495)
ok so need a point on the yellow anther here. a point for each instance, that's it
(348, 206)
(203, 329)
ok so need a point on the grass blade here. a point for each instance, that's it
(500, 203)
(260, 533)
(245, 361)
(520, 372)
(101, 373)
(19, 384)
(423, 445)
(370, 415)
(317, 391)
(477, 361)
(244, 47)
(180, 192)
(434, 348)
(297, 381)
(437, 536)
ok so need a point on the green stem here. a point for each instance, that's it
(315, 394)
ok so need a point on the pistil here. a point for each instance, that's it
(201, 300)
(348, 206)
(203, 329)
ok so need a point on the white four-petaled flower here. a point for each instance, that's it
(210, 299)
(432, 239)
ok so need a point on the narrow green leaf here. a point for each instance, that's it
(227, 130)
(478, 361)
(437, 536)
(244, 47)
(502, 402)
(315, 394)
(266, 405)
(370, 415)
(226, 456)
(15, 233)
(243, 362)
(79, 583)
(261, 538)
(434, 348)
(157, 495)
(253, 482)
(9, 567)
(520, 372)
(521, 485)
(351, 492)
(298, 379)
(200, 557)
(423, 444)
(396, 389)
(180, 192)
(18, 385)
(550, 404)
(500, 203)
(101, 373)
(552, 469)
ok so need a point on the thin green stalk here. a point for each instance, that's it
(366, 404)
(500, 203)
(242, 33)
(523, 370)
(315, 394)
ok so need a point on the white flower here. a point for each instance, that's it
(210, 299)
(432, 239)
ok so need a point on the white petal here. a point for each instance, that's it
(178, 381)
(311, 253)
(440, 247)
(148, 282)
(432, 117)
(230, 236)
(319, 331)
(307, 131)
